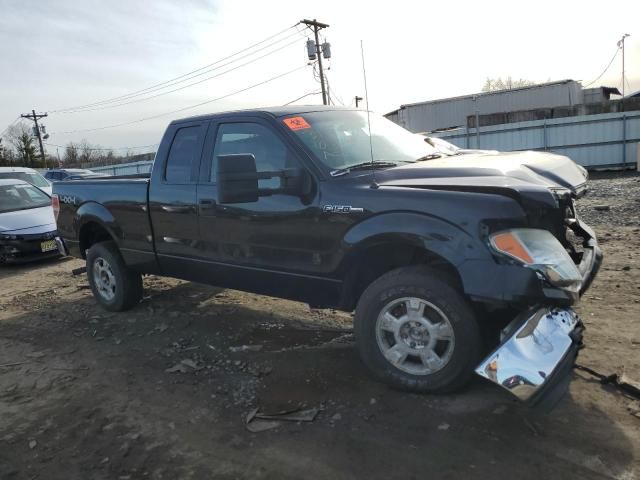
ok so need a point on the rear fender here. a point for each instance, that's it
(95, 212)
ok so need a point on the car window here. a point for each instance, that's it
(33, 178)
(270, 152)
(182, 155)
(21, 197)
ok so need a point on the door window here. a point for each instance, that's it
(270, 152)
(185, 150)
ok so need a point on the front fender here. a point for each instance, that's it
(481, 276)
(439, 236)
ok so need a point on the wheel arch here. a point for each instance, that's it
(96, 224)
(391, 241)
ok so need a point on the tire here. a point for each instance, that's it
(416, 333)
(115, 286)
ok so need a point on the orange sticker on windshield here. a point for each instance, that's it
(296, 123)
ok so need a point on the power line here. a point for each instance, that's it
(319, 50)
(185, 108)
(35, 117)
(106, 149)
(605, 70)
(103, 107)
(303, 96)
(164, 83)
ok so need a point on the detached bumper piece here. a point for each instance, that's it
(535, 360)
(32, 247)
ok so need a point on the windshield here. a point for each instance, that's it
(340, 139)
(31, 177)
(22, 197)
(442, 145)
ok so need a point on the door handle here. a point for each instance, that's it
(177, 208)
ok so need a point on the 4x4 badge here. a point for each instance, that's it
(342, 209)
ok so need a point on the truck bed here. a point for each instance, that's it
(122, 199)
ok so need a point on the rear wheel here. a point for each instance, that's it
(415, 332)
(115, 286)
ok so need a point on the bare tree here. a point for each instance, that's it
(110, 157)
(87, 152)
(21, 139)
(497, 84)
(71, 155)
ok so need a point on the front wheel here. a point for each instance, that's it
(114, 285)
(417, 333)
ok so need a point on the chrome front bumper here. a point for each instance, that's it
(535, 359)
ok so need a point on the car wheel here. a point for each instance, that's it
(417, 333)
(115, 286)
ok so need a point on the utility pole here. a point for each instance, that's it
(358, 100)
(621, 45)
(35, 117)
(316, 27)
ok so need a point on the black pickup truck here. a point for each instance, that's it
(453, 264)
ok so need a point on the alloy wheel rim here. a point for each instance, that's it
(104, 279)
(415, 336)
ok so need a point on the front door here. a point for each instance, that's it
(275, 245)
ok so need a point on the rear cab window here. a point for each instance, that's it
(183, 155)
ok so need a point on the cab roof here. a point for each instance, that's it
(277, 112)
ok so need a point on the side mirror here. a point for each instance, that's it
(237, 178)
(296, 182)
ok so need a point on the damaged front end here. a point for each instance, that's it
(538, 349)
(536, 356)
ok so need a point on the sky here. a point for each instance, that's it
(57, 55)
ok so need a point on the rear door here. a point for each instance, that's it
(172, 197)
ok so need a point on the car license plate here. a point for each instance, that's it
(48, 246)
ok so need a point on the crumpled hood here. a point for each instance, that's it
(33, 220)
(515, 170)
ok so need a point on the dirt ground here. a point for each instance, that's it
(159, 392)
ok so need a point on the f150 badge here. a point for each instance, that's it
(342, 209)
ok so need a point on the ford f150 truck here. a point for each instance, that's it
(453, 264)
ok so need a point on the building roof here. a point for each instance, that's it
(484, 94)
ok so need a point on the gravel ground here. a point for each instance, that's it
(613, 200)
(163, 391)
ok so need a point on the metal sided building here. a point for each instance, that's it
(453, 112)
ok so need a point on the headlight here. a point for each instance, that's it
(540, 250)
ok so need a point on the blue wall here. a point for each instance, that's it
(126, 168)
(593, 141)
